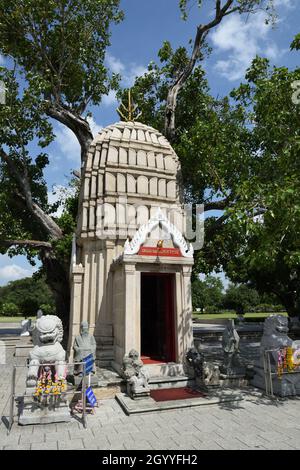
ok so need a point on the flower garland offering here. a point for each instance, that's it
(296, 357)
(289, 359)
(52, 388)
(280, 363)
(47, 387)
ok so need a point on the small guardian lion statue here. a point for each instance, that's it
(207, 374)
(136, 375)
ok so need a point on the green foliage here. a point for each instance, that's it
(265, 220)
(48, 309)
(207, 293)
(21, 122)
(9, 309)
(210, 309)
(67, 220)
(296, 43)
(27, 295)
(59, 48)
(268, 308)
(150, 90)
(239, 155)
(240, 298)
(241, 6)
(60, 45)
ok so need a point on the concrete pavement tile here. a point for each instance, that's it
(73, 444)
(52, 445)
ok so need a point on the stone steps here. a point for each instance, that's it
(170, 382)
(168, 369)
(109, 382)
(10, 341)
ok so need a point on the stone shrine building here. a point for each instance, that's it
(131, 265)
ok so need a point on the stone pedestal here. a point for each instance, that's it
(33, 412)
(233, 380)
(286, 386)
(138, 393)
(23, 346)
(93, 382)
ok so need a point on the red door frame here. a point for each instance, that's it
(169, 312)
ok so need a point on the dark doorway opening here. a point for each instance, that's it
(157, 318)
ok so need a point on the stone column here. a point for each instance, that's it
(187, 324)
(104, 322)
(75, 307)
(179, 314)
(132, 320)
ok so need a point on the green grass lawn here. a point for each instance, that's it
(196, 315)
(14, 319)
(213, 316)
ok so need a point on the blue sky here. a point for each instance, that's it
(136, 41)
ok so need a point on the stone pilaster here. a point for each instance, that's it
(75, 307)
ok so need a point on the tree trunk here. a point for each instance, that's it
(57, 277)
(183, 76)
(291, 302)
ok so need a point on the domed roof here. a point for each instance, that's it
(137, 136)
(133, 132)
(132, 160)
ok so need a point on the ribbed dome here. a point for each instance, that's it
(134, 132)
(132, 160)
(137, 136)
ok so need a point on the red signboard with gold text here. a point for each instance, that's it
(157, 251)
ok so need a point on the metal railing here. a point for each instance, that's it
(64, 393)
(269, 374)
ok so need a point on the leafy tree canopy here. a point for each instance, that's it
(239, 155)
(27, 294)
(58, 51)
(60, 45)
(207, 293)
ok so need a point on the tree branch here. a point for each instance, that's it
(211, 229)
(216, 205)
(77, 124)
(30, 243)
(48, 224)
(202, 31)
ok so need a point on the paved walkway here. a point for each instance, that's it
(246, 425)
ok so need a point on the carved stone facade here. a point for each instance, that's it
(130, 198)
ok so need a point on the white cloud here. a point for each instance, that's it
(285, 3)
(53, 197)
(68, 143)
(13, 272)
(95, 128)
(128, 73)
(115, 65)
(134, 71)
(60, 193)
(110, 99)
(240, 42)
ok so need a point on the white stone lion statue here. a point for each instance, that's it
(275, 337)
(48, 350)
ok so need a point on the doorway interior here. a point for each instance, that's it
(157, 318)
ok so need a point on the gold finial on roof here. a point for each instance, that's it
(130, 110)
